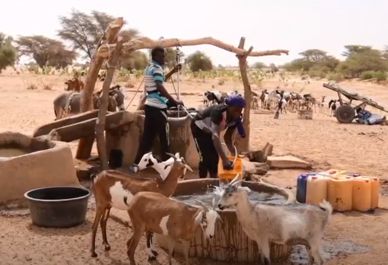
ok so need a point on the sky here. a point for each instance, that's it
(295, 25)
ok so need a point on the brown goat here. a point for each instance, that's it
(116, 189)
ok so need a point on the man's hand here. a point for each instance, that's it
(179, 102)
(228, 165)
(177, 68)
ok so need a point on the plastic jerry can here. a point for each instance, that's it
(375, 182)
(301, 186)
(316, 189)
(362, 194)
(339, 193)
(228, 175)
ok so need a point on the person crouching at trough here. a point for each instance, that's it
(206, 128)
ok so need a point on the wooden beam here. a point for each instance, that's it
(45, 129)
(147, 43)
(86, 128)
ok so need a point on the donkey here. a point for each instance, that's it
(69, 103)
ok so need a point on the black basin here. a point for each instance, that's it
(58, 206)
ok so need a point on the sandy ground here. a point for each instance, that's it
(322, 141)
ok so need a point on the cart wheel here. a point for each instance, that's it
(345, 114)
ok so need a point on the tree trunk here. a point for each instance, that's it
(242, 61)
(100, 125)
(85, 144)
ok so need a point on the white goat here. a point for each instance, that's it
(284, 224)
(114, 188)
(154, 212)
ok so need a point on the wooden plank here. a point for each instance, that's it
(45, 129)
(86, 128)
(287, 161)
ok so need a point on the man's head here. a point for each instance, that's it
(157, 55)
(236, 103)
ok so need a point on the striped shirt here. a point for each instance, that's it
(152, 74)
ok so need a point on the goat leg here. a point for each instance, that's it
(132, 245)
(103, 221)
(97, 218)
(171, 245)
(265, 256)
(186, 246)
(152, 254)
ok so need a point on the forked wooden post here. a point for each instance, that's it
(100, 125)
(110, 36)
(242, 62)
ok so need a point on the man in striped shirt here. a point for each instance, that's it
(156, 103)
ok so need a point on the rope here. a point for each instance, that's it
(130, 102)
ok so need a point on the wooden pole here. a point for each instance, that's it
(110, 36)
(100, 125)
(147, 43)
(242, 61)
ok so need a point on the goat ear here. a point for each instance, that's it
(214, 203)
(202, 204)
(246, 189)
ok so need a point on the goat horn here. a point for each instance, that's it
(236, 178)
(171, 155)
(189, 168)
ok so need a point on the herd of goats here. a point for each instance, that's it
(68, 103)
(274, 100)
(151, 210)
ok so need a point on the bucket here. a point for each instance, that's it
(362, 194)
(339, 193)
(316, 189)
(228, 175)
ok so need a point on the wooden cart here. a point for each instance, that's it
(346, 113)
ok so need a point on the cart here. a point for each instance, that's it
(346, 113)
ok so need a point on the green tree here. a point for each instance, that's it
(137, 60)
(315, 62)
(199, 61)
(361, 59)
(85, 31)
(259, 65)
(45, 51)
(7, 52)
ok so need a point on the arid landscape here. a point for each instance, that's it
(351, 238)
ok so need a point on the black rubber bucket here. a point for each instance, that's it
(58, 206)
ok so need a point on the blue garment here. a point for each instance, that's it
(154, 74)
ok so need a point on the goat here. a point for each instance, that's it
(213, 97)
(278, 224)
(333, 105)
(264, 99)
(154, 212)
(114, 188)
